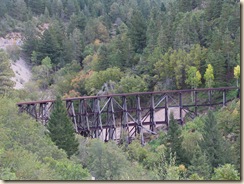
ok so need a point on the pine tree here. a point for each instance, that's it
(212, 142)
(103, 63)
(200, 164)
(137, 31)
(174, 141)
(5, 74)
(61, 129)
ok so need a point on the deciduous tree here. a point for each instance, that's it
(226, 172)
(193, 77)
(209, 76)
(237, 74)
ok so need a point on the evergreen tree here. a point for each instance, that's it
(137, 31)
(216, 59)
(212, 142)
(61, 129)
(174, 141)
(5, 74)
(77, 45)
(200, 164)
(152, 33)
(37, 6)
(103, 62)
(30, 38)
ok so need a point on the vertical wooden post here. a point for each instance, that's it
(138, 114)
(46, 113)
(210, 98)
(224, 97)
(166, 110)
(86, 115)
(80, 114)
(139, 122)
(107, 131)
(112, 127)
(180, 108)
(152, 115)
(95, 123)
(124, 122)
(110, 120)
(195, 97)
(35, 111)
(74, 116)
(98, 118)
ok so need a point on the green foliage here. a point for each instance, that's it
(129, 84)
(226, 172)
(67, 170)
(195, 177)
(213, 143)
(25, 148)
(137, 152)
(98, 47)
(137, 31)
(61, 129)
(174, 172)
(229, 125)
(237, 74)
(51, 45)
(174, 141)
(63, 78)
(175, 64)
(42, 73)
(200, 164)
(97, 79)
(108, 162)
(5, 74)
(193, 77)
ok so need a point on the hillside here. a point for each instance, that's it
(71, 48)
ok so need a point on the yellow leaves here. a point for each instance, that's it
(175, 63)
(198, 76)
(209, 76)
(80, 78)
(235, 112)
(237, 72)
(71, 93)
(182, 168)
(97, 42)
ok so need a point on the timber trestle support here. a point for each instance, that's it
(125, 116)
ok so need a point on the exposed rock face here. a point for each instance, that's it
(20, 68)
(22, 73)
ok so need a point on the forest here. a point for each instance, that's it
(96, 47)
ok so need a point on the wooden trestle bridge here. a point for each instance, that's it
(124, 116)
